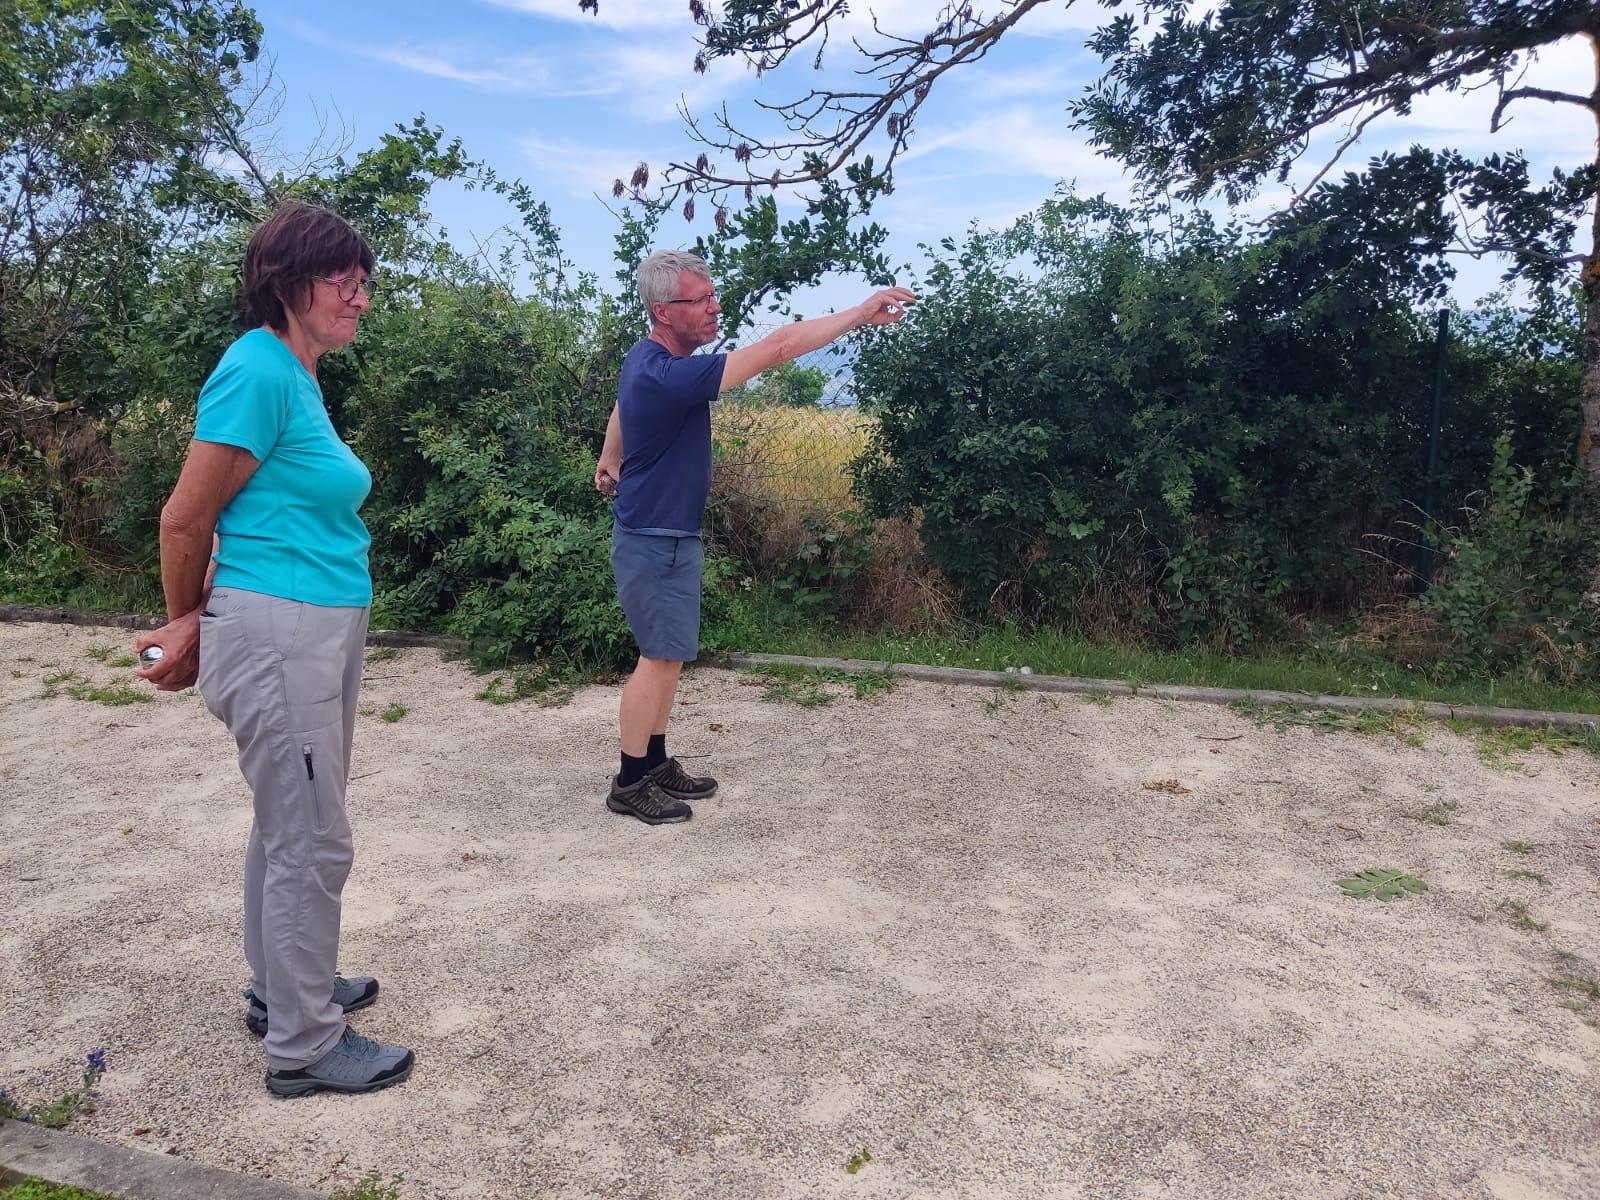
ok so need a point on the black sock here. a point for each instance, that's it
(656, 753)
(633, 769)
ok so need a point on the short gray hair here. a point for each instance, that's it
(658, 276)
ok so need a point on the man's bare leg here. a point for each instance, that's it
(647, 702)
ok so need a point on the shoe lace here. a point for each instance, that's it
(357, 1046)
(651, 799)
(673, 775)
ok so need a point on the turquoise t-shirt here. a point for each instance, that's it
(293, 529)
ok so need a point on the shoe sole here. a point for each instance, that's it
(627, 810)
(688, 797)
(258, 1026)
(293, 1089)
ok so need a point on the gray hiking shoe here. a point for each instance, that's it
(355, 1064)
(672, 779)
(647, 801)
(348, 994)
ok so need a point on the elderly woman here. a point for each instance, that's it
(264, 566)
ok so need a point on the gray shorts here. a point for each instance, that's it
(658, 582)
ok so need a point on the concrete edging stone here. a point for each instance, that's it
(77, 1161)
(965, 676)
(1535, 718)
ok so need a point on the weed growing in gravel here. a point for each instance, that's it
(1103, 699)
(1580, 987)
(1518, 847)
(1541, 880)
(1520, 918)
(787, 683)
(122, 661)
(34, 1188)
(381, 654)
(1497, 746)
(1438, 813)
(1381, 883)
(857, 1160)
(371, 1186)
(56, 1114)
(393, 713)
(99, 653)
(116, 693)
(543, 684)
(1407, 725)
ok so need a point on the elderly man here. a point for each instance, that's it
(657, 463)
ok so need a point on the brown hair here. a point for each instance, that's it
(298, 241)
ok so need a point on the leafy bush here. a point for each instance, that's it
(1507, 594)
(1182, 434)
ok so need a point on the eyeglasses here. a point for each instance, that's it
(348, 286)
(707, 299)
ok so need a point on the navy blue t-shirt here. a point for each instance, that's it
(664, 404)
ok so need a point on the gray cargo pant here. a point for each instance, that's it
(283, 677)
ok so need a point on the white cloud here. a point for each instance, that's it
(1023, 141)
(581, 168)
(519, 75)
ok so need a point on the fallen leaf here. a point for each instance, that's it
(140, 1130)
(127, 829)
(1166, 785)
(714, 727)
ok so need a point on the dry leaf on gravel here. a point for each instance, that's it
(1167, 785)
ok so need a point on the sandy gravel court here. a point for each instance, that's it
(952, 927)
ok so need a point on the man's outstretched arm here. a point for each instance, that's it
(802, 337)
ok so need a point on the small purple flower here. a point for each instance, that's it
(97, 1060)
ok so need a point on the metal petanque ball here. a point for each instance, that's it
(151, 655)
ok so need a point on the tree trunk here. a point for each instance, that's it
(1589, 385)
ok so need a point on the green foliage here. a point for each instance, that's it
(1173, 434)
(1381, 883)
(34, 1188)
(371, 1186)
(809, 686)
(1520, 917)
(1509, 591)
(57, 1113)
(392, 713)
(1440, 813)
(786, 383)
(833, 553)
(857, 1160)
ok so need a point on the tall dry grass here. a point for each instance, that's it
(782, 472)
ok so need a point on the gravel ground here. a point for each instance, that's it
(952, 927)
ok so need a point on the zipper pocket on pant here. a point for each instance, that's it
(311, 781)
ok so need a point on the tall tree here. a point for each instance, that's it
(1205, 100)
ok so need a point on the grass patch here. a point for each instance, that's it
(382, 654)
(1535, 876)
(1499, 746)
(1519, 847)
(545, 686)
(1438, 813)
(98, 652)
(34, 1188)
(1332, 668)
(393, 713)
(1579, 988)
(117, 693)
(809, 687)
(371, 1186)
(1520, 918)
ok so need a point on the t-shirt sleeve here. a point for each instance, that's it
(244, 405)
(686, 382)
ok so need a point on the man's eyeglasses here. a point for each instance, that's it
(707, 299)
(348, 286)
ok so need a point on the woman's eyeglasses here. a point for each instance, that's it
(348, 286)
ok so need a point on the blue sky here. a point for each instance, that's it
(568, 102)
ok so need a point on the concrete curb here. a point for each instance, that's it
(70, 1158)
(72, 616)
(1531, 717)
(1535, 718)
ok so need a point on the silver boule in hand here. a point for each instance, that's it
(151, 655)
